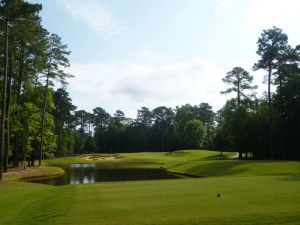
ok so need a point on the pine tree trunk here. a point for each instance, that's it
(2, 131)
(280, 94)
(144, 142)
(7, 115)
(161, 142)
(16, 156)
(238, 105)
(270, 114)
(118, 142)
(97, 141)
(281, 147)
(80, 143)
(60, 139)
(32, 159)
(161, 139)
(56, 130)
(75, 145)
(43, 117)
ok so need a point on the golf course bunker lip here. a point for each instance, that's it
(93, 158)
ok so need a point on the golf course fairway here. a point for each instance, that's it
(228, 191)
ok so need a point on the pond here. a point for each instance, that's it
(91, 173)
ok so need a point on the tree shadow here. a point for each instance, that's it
(178, 153)
(216, 157)
(231, 167)
(288, 177)
(214, 169)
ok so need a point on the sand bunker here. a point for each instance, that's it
(92, 158)
(109, 158)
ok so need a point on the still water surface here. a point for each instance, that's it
(91, 173)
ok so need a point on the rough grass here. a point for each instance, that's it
(252, 192)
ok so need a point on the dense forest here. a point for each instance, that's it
(39, 120)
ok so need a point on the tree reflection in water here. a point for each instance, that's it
(91, 173)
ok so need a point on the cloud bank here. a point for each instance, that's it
(129, 86)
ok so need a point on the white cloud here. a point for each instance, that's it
(264, 14)
(128, 86)
(94, 15)
(223, 5)
(149, 54)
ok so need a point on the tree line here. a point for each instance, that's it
(160, 129)
(264, 127)
(39, 122)
(31, 59)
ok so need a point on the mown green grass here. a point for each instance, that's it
(244, 200)
(252, 192)
(212, 164)
(220, 168)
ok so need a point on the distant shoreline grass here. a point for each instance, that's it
(20, 174)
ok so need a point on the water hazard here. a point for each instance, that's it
(91, 173)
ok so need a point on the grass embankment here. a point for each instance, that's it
(32, 172)
(252, 192)
(212, 164)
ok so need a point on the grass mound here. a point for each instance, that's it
(32, 172)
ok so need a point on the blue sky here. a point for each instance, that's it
(132, 53)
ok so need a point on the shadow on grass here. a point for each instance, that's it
(221, 168)
(178, 153)
(216, 157)
(289, 177)
(233, 167)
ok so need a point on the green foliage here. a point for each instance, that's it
(64, 127)
(90, 145)
(50, 139)
(194, 133)
(31, 123)
(264, 127)
(206, 115)
(57, 59)
(271, 45)
(240, 81)
(160, 129)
